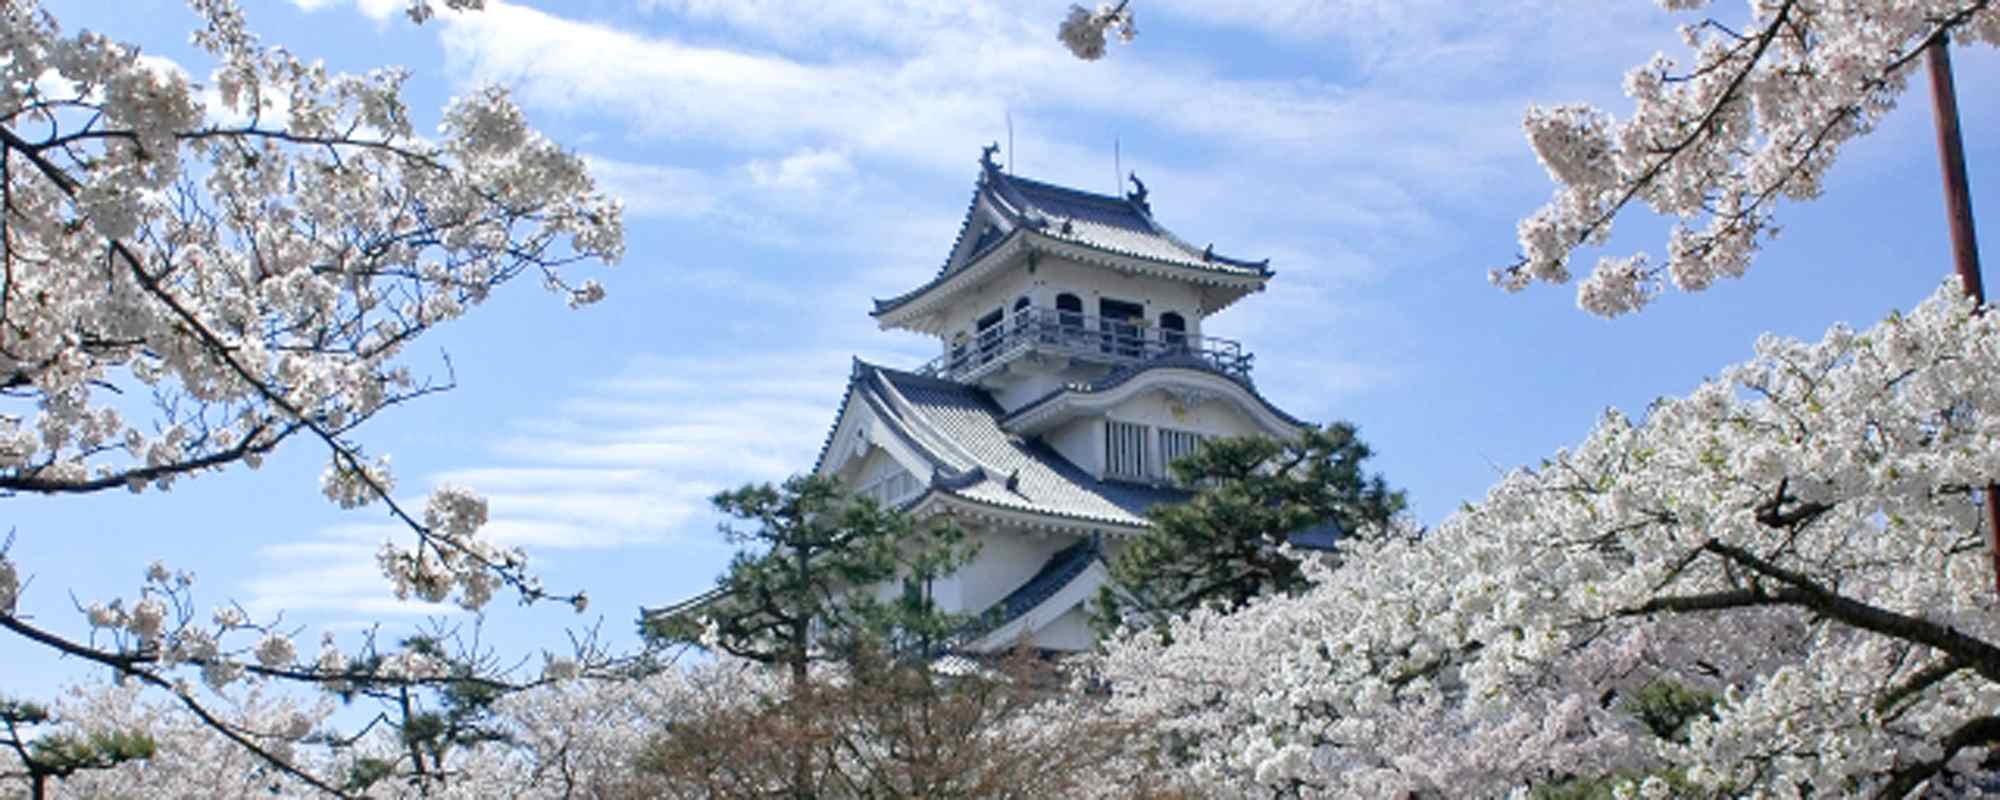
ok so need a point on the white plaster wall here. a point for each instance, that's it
(1005, 561)
(1053, 276)
(998, 293)
(1081, 442)
(1029, 378)
(1157, 409)
(863, 471)
(1071, 631)
(1215, 417)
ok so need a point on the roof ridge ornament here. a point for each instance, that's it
(986, 157)
(1138, 193)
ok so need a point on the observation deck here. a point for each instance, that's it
(1082, 338)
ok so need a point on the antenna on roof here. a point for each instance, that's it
(1010, 141)
(1117, 167)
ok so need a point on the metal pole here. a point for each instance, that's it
(1964, 242)
(1951, 156)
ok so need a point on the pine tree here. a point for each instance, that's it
(1222, 546)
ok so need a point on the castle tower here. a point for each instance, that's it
(1071, 370)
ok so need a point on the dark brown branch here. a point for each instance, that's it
(1923, 680)
(251, 444)
(1772, 513)
(1974, 732)
(1803, 592)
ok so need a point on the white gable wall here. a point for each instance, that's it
(1070, 632)
(1212, 415)
(1205, 412)
(1006, 560)
(1081, 442)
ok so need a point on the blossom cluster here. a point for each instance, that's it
(1756, 113)
(252, 253)
(1083, 31)
(1799, 542)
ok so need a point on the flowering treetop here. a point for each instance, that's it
(1797, 542)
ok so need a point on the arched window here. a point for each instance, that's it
(1173, 331)
(989, 335)
(1069, 314)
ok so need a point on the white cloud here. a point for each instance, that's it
(923, 108)
(629, 461)
(657, 190)
(903, 24)
(805, 170)
(333, 572)
(378, 10)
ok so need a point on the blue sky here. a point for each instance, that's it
(782, 163)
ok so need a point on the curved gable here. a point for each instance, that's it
(1168, 391)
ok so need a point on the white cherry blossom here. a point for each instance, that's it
(1755, 113)
(1799, 539)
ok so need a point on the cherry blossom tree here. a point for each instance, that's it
(196, 272)
(1756, 114)
(1800, 540)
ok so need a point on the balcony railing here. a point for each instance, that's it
(1086, 338)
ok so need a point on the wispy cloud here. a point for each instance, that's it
(629, 460)
(332, 572)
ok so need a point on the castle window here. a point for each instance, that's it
(1069, 308)
(1125, 450)
(891, 489)
(1069, 315)
(1173, 331)
(1175, 445)
(990, 334)
(1119, 321)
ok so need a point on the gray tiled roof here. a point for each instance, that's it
(1122, 225)
(957, 427)
(1108, 223)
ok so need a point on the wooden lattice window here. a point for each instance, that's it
(1125, 450)
(891, 490)
(1175, 445)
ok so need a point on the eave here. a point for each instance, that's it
(916, 309)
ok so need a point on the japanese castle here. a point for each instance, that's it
(1071, 370)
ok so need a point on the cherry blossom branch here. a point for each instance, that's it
(1801, 591)
(1972, 733)
(345, 456)
(1723, 141)
(127, 666)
